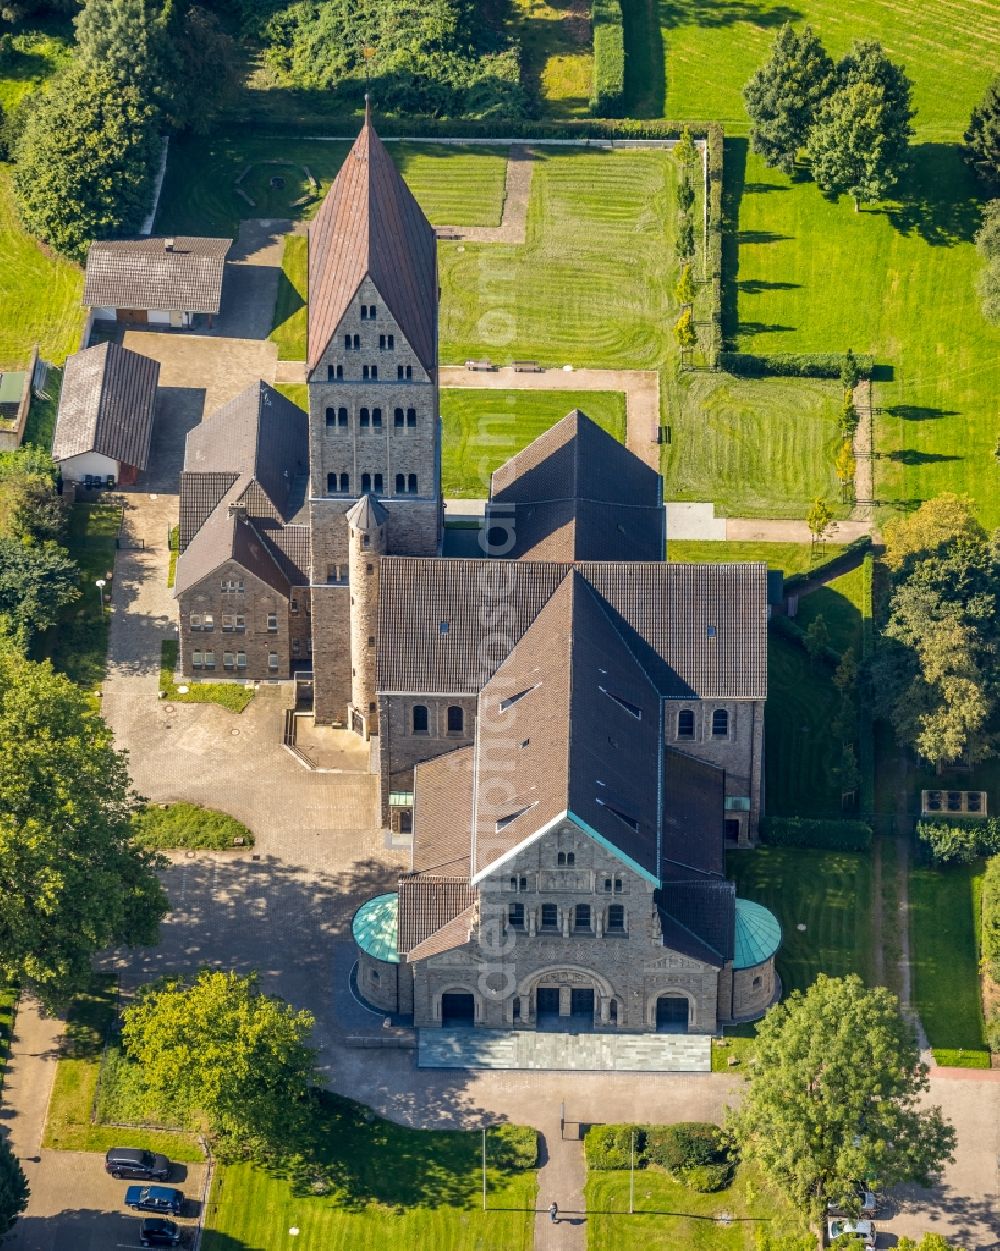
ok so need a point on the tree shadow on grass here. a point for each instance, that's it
(910, 456)
(760, 188)
(754, 286)
(916, 412)
(760, 236)
(720, 13)
(939, 199)
(733, 185)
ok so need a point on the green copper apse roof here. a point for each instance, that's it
(376, 927)
(758, 934)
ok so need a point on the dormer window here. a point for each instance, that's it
(510, 700)
(633, 710)
(510, 817)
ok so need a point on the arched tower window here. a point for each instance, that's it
(411, 484)
(420, 719)
(456, 720)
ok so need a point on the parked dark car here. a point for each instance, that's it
(138, 1164)
(154, 1199)
(157, 1231)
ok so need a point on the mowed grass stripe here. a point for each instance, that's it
(483, 429)
(829, 893)
(593, 284)
(950, 50)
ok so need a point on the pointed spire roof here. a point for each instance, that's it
(367, 514)
(370, 224)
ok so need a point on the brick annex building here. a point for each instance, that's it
(570, 726)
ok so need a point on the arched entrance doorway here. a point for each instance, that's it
(458, 1008)
(672, 1014)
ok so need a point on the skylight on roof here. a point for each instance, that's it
(633, 710)
(510, 700)
(710, 631)
(443, 627)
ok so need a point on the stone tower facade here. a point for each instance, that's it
(374, 423)
(367, 534)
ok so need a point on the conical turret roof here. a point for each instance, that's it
(367, 514)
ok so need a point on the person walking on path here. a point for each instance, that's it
(554, 1213)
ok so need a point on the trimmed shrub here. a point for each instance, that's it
(991, 919)
(188, 825)
(607, 97)
(512, 1147)
(820, 832)
(609, 1147)
(707, 1178)
(684, 1145)
(791, 364)
(960, 841)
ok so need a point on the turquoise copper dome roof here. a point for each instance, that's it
(758, 934)
(376, 927)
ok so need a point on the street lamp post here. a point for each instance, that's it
(484, 1168)
(631, 1178)
(101, 584)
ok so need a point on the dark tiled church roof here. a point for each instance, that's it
(699, 631)
(107, 404)
(576, 493)
(370, 224)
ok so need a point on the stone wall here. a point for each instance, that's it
(400, 750)
(502, 966)
(331, 643)
(378, 982)
(754, 990)
(253, 638)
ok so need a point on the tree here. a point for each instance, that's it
(850, 373)
(685, 236)
(684, 331)
(220, 1051)
(784, 95)
(833, 1096)
(14, 1190)
(685, 152)
(685, 193)
(988, 234)
(30, 509)
(685, 291)
(85, 161)
(982, 139)
(852, 148)
(36, 581)
(929, 1242)
(817, 637)
(867, 63)
(988, 243)
(937, 524)
(845, 465)
(71, 880)
(205, 54)
(126, 39)
(819, 519)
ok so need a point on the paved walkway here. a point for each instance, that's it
(641, 387)
(698, 522)
(558, 1052)
(253, 269)
(517, 193)
(864, 464)
(27, 1081)
(561, 1179)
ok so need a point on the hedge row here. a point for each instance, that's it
(991, 918)
(714, 139)
(825, 834)
(952, 840)
(571, 130)
(866, 723)
(861, 544)
(791, 364)
(608, 93)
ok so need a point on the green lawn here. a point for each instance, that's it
(166, 827)
(456, 186)
(593, 283)
(828, 892)
(557, 59)
(388, 1187)
(290, 309)
(482, 429)
(671, 1217)
(756, 447)
(32, 58)
(839, 604)
(68, 1126)
(949, 50)
(41, 423)
(800, 753)
(232, 695)
(78, 645)
(39, 293)
(944, 941)
(788, 557)
(815, 276)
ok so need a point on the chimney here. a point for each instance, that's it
(238, 511)
(168, 245)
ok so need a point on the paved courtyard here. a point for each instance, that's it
(577, 1052)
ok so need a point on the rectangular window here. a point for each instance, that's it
(208, 622)
(336, 575)
(616, 919)
(737, 803)
(241, 660)
(293, 605)
(581, 918)
(550, 917)
(228, 660)
(515, 916)
(196, 659)
(194, 621)
(210, 660)
(241, 621)
(228, 622)
(272, 621)
(272, 660)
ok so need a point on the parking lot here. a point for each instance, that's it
(76, 1206)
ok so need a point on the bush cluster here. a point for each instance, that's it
(695, 1152)
(609, 1147)
(792, 364)
(513, 1148)
(187, 825)
(608, 92)
(819, 832)
(960, 841)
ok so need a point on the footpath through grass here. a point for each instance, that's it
(897, 281)
(483, 429)
(672, 1217)
(949, 50)
(945, 953)
(232, 695)
(74, 1098)
(378, 1184)
(827, 892)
